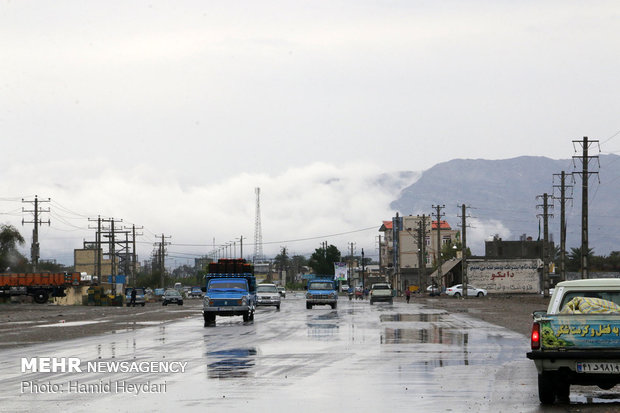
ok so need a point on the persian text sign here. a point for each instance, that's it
(509, 276)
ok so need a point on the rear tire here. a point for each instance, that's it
(546, 388)
(562, 391)
(457, 295)
(480, 294)
(40, 296)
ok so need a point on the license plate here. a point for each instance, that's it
(598, 367)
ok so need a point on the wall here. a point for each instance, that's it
(505, 276)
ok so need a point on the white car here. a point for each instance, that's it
(457, 291)
(267, 294)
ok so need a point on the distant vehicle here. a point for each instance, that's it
(230, 290)
(267, 294)
(178, 287)
(196, 292)
(282, 292)
(457, 291)
(433, 290)
(159, 292)
(172, 296)
(381, 292)
(344, 288)
(321, 291)
(40, 286)
(140, 300)
(359, 293)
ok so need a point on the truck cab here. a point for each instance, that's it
(321, 291)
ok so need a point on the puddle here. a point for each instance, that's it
(437, 335)
(233, 363)
(411, 317)
(70, 323)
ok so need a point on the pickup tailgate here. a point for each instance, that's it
(580, 332)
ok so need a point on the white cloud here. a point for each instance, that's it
(313, 201)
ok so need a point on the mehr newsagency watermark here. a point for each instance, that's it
(76, 385)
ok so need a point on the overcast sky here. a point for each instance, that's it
(168, 114)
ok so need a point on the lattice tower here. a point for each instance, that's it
(258, 232)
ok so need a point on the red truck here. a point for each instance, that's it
(38, 285)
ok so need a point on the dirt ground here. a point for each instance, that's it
(23, 324)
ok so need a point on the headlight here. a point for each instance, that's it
(332, 295)
(308, 295)
(244, 301)
(205, 301)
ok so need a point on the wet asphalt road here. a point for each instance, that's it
(357, 358)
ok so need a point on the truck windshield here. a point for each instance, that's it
(321, 286)
(267, 289)
(228, 285)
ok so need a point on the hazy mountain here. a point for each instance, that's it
(503, 194)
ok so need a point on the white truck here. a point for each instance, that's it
(577, 340)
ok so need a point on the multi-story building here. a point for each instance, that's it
(400, 248)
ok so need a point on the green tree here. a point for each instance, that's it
(10, 258)
(574, 259)
(323, 259)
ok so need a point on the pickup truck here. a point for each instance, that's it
(230, 291)
(381, 292)
(577, 340)
(321, 291)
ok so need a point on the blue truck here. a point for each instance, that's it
(322, 291)
(230, 291)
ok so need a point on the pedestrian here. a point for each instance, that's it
(408, 294)
(133, 298)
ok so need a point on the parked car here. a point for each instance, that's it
(433, 290)
(267, 294)
(172, 296)
(457, 291)
(282, 292)
(344, 288)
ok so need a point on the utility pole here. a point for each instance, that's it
(97, 246)
(545, 216)
(351, 244)
(161, 246)
(585, 175)
(363, 271)
(438, 215)
(397, 226)
(422, 253)
(34, 249)
(563, 198)
(464, 247)
(134, 258)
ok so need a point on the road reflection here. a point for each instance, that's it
(231, 363)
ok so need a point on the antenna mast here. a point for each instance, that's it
(258, 232)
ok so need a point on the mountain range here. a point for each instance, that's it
(504, 198)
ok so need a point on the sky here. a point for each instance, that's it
(168, 114)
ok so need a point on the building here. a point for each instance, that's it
(400, 248)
